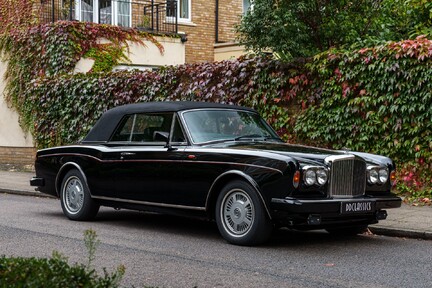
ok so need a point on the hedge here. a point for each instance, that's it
(67, 106)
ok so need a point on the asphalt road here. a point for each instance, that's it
(166, 251)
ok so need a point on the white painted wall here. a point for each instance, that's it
(228, 51)
(12, 135)
(150, 56)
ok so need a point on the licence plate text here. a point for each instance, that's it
(357, 207)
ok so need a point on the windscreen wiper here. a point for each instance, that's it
(255, 136)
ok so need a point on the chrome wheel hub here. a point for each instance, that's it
(73, 194)
(238, 212)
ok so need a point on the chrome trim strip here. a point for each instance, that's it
(324, 201)
(149, 203)
(333, 158)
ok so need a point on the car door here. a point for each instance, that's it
(149, 168)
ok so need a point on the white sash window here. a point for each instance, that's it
(104, 11)
(183, 10)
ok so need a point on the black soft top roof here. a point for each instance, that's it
(104, 127)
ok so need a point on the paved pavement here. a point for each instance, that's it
(407, 221)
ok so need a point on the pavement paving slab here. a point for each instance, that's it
(16, 180)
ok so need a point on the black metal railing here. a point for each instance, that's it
(156, 16)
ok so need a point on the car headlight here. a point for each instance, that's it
(315, 175)
(383, 175)
(377, 175)
(310, 177)
(373, 176)
(321, 176)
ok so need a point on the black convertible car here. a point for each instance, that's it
(219, 161)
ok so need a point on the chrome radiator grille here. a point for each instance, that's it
(347, 176)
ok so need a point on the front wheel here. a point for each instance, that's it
(240, 215)
(75, 198)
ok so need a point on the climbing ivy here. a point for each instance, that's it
(35, 52)
(71, 103)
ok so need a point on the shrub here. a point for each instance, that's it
(52, 272)
(56, 271)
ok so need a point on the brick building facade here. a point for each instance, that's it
(204, 32)
(206, 23)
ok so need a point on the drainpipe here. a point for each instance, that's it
(217, 22)
(70, 10)
(53, 11)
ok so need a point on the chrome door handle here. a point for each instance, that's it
(123, 154)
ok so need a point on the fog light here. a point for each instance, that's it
(314, 219)
(381, 215)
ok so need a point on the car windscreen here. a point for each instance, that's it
(226, 125)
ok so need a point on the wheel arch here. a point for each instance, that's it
(224, 179)
(62, 172)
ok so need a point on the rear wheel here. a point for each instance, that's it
(240, 215)
(348, 231)
(75, 198)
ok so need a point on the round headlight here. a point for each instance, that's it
(383, 175)
(321, 176)
(310, 177)
(373, 176)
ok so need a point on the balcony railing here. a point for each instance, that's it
(156, 16)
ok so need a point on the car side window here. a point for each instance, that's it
(143, 128)
(177, 133)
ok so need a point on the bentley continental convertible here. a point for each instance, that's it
(221, 162)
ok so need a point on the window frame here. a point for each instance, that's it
(249, 8)
(96, 7)
(180, 19)
(171, 118)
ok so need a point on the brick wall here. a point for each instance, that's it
(230, 12)
(17, 156)
(201, 33)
